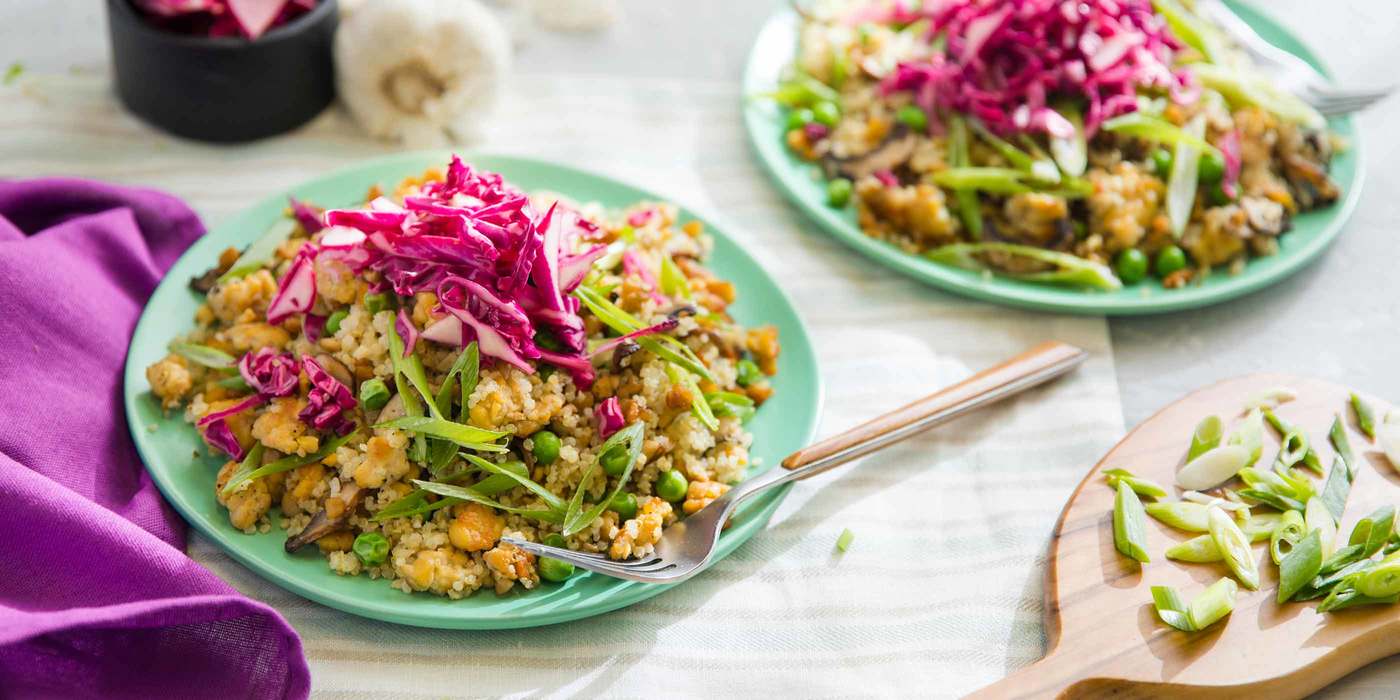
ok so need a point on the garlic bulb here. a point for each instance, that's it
(420, 71)
(576, 15)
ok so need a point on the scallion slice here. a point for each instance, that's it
(1286, 535)
(1067, 269)
(204, 355)
(1181, 515)
(284, 464)
(844, 541)
(1129, 524)
(1299, 566)
(257, 255)
(1143, 487)
(1234, 547)
(467, 436)
(1206, 437)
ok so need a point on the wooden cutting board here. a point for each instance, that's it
(1104, 635)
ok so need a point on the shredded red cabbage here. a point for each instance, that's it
(269, 372)
(220, 436)
(297, 290)
(313, 325)
(501, 271)
(309, 216)
(1229, 145)
(608, 345)
(329, 402)
(407, 331)
(610, 419)
(1004, 61)
(632, 264)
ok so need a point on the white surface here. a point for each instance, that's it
(940, 591)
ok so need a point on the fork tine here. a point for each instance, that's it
(1336, 108)
(590, 561)
(1328, 92)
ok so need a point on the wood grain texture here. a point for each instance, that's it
(1103, 635)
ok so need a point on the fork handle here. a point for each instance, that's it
(1031, 368)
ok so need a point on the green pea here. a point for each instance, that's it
(912, 117)
(625, 505)
(826, 112)
(615, 460)
(1169, 260)
(555, 570)
(747, 373)
(1162, 162)
(1215, 194)
(1131, 266)
(546, 447)
(371, 547)
(838, 192)
(799, 118)
(555, 539)
(1211, 168)
(374, 303)
(333, 321)
(671, 485)
(373, 394)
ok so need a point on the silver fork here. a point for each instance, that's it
(689, 545)
(1290, 73)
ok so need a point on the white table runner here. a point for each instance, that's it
(940, 592)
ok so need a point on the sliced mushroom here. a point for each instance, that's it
(1265, 216)
(1310, 182)
(337, 369)
(322, 524)
(206, 281)
(393, 410)
(893, 152)
(621, 352)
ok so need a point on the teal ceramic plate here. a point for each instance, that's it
(802, 183)
(785, 423)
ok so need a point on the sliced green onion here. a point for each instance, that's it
(284, 464)
(1181, 184)
(1129, 524)
(257, 255)
(1190, 517)
(1372, 532)
(1273, 499)
(411, 368)
(1171, 608)
(844, 541)
(1317, 516)
(727, 403)
(1206, 437)
(1289, 531)
(698, 405)
(1149, 128)
(465, 368)
(1234, 547)
(983, 179)
(1248, 88)
(1299, 566)
(575, 518)
(1293, 449)
(1336, 489)
(1013, 155)
(1071, 152)
(1191, 29)
(1260, 526)
(1198, 550)
(1069, 269)
(1270, 399)
(1382, 581)
(1365, 417)
(204, 355)
(552, 501)
(969, 207)
(1143, 487)
(1213, 467)
(673, 281)
(802, 90)
(1214, 603)
(1283, 428)
(1250, 435)
(235, 382)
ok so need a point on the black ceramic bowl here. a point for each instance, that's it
(224, 89)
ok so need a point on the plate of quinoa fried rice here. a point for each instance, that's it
(1098, 156)
(358, 389)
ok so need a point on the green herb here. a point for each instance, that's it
(1365, 417)
(552, 501)
(1181, 515)
(969, 209)
(467, 436)
(464, 493)
(285, 464)
(1336, 489)
(13, 73)
(204, 355)
(257, 255)
(1289, 531)
(1143, 487)
(1129, 524)
(844, 541)
(1069, 269)
(575, 518)
(1198, 549)
(673, 281)
(726, 403)
(663, 346)
(1214, 603)
(1206, 437)
(1234, 547)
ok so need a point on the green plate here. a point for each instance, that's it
(785, 423)
(802, 183)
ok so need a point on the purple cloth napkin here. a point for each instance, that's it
(97, 598)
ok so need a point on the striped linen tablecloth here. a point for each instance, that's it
(940, 592)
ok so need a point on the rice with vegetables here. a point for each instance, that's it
(403, 383)
(1084, 143)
